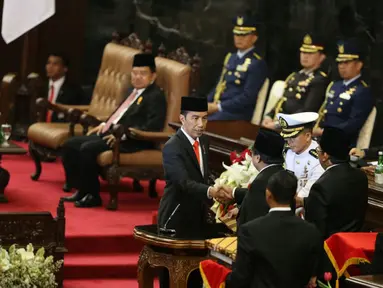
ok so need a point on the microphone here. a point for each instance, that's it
(170, 231)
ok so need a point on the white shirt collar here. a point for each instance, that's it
(191, 140)
(332, 166)
(280, 209)
(240, 54)
(351, 80)
(57, 84)
(140, 91)
(267, 167)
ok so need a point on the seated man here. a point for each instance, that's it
(58, 89)
(304, 90)
(279, 249)
(348, 102)
(242, 76)
(338, 200)
(301, 156)
(268, 160)
(144, 108)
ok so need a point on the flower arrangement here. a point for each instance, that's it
(22, 268)
(240, 173)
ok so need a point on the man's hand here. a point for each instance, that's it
(357, 152)
(232, 213)
(299, 201)
(212, 108)
(110, 140)
(96, 130)
(221, 194)
(268, 123)
(317, 132)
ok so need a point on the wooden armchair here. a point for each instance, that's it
(38, 228)
(112, 82)
(174, 78)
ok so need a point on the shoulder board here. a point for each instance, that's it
(228, 55)
(364, 83)
(323, 74)
(257, 56)
(314, 153)
(288, 77)
(329, 86)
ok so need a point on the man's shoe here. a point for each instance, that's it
(89, 201)
(76, 196)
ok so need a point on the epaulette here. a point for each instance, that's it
(314, 153)
(323, 74)
(329, 86)
(285, 149)
(364, 83)
(289, 77)
(257, 56)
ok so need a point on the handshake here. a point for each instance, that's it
(222, 193)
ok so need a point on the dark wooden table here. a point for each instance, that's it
(370, 281)
(8, 148)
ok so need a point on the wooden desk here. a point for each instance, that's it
(179, 256)
(371, 281)
(374, 216)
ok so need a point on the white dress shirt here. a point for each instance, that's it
(280, 209)
(56, 88)
(351, 80)
(240, 54)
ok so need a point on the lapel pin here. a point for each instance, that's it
(139, 100)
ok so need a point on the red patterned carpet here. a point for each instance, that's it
(102, 250)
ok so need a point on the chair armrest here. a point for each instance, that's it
(83, 108)
(89, 120)
(149, 136)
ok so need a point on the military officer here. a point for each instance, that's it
(349, 101)
(301, 156)
(242, 76)
(304, 90)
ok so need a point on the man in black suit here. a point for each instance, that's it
(144, 108)
(278, 249)
(338, 200)
(187, 197)
(58, 90)
(268, 160)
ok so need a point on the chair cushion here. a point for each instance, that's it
(51, 135)
(142, 158)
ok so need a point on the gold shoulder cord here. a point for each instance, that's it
(323, 107)
(283, 99)
(221, 84)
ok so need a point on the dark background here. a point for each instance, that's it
(81, 29)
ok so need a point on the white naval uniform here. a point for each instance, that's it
(306, 168)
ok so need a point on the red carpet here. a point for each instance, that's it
(102, 250)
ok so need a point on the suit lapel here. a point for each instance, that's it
(204, 150)
(60, 94)
(188, 147)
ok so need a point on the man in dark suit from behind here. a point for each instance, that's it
(338, 200)
(278, 249)
(183, 210)
(268, 160)
(143, 108)
(58, 89)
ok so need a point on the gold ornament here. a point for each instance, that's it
(307, 40)
(239, 21)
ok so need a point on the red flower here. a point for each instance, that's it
(233, 156)
(327, 276)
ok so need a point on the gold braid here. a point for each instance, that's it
(283, 99)
(323, 107)
(221, 84)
